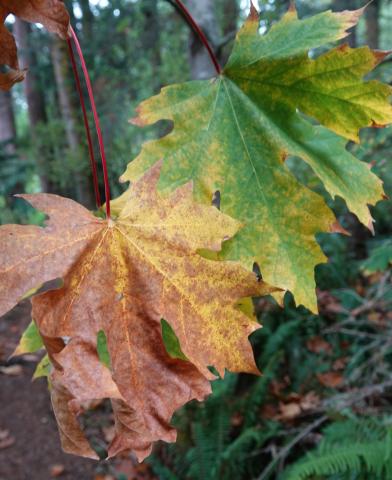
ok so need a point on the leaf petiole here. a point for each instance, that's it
(199, 32)
(86, 124)
(96, 119)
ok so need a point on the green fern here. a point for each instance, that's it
(350, 449)
(258, 392)
(278, 339)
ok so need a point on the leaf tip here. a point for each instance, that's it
(254, 15)
(11, 77)
(349, 19)
(380, 55)
(292, 7)
(137, 121)
(370, 226)
(336, 227)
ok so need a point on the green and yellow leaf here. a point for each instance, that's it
(233, 133)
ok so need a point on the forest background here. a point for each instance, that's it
(322, 409)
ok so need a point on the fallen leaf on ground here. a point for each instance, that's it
(269, 412)
(236, 419)
(377, 318)
(6, 439)
(288, 411)
(133, 470)
(340, 363)
(277, 387)
(310, 401)
(4, 434)
(56, 470)
(318, 345)
(328, 304)
(109, 433)
(13, 370)
(330, 379)
(297, 404)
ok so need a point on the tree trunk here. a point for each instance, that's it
(88, 20)
(69, 4)
(65, 90)
(28, 59)
(7, 123)
(204, 13)
(283, 7)
(373, 24)
(150, 38)
(34, 95)
(229, 28)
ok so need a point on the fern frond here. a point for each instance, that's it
(373, 458)
(259, 390)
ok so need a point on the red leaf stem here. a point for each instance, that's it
(200, 34)
(86, 125)
(96, 120)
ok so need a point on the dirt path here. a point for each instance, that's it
(25, 413)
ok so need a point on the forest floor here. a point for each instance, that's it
(29, 440)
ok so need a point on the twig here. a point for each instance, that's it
(348, 399)
(282, 454)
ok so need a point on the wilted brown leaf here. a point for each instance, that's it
(377, 318)
(6, 439)
(13, 370)
(327, 303)
(277, 387)
(318, 345)
(109, 432)
(309, 401)
(56, 470)
(52, 14)
(340, 363)
(289, 411)
(237, 419)
(330, 379)
(296, 404)
(270, 412)
(122, 277)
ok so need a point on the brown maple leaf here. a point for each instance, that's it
(122, 277)
(52, 14)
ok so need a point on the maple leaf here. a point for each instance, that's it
(121, 277)
(51, 13)
(233, 133)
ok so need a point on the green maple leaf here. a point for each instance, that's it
(234, 132)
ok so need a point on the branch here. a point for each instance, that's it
(282, 454)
